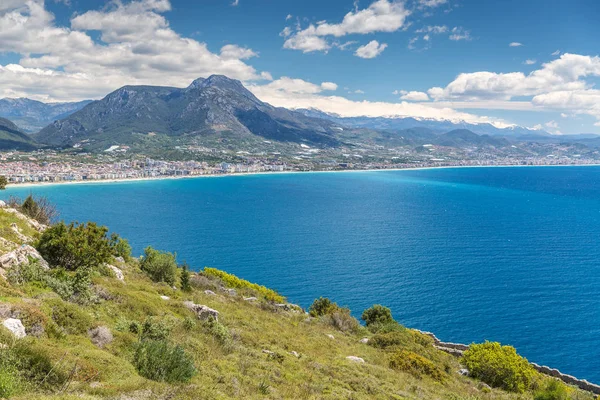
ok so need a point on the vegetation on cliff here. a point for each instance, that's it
(100, 324)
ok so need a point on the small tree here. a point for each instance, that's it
(38, 208)
(3, 182)
(75, 246)
(322, 306)
(185, 278)
(160, 266)
(377, 314)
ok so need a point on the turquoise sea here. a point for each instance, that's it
(504, 254)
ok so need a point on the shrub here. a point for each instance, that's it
(554, 390)
(75, 246)
(410, 362)
(235, 282)
(120, 247)
(161, 361)
(343, 321)
(391, 326)
(377, 314)
(10, 384)
(218, 331)
(390, 339)
(160, 266)
(71, 318)
(185, 278)
(37, 208)
(155, 329)
(499, 366)
(3, 183)
(322, 306)
(56, 279)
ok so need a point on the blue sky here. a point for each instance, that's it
(533, 63)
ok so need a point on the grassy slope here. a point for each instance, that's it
(237, 370)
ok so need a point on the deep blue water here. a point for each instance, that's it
(505, 254)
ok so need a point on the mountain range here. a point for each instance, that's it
(31, 115)
(218, 112)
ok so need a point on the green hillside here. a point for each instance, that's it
(91, 335)
(11, 137)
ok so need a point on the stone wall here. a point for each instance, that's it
(457, 349)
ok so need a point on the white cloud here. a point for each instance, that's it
(413, 95)
(370, 50)
(136, 46)
(561, 74)
(296, 93)
(555, 53)
(586, 101)
(380, 16)
(436, 29)
(289, 16)
(358, 91)
(551, 124)
(431, 3)
(233, 52)
(235, 3)
(529, 62)
(459, 33)
(329, 86)
(515, 44)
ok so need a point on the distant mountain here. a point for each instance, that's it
(12, 138)
(400, 123)
(32, 115)
(213, 108)
(464, 137)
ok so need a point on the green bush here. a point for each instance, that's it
(387, 327)
(322, 306)
(38, 208)
(120, 247)
(233, 281)
(71, 318)
(390, 339)
(10, 383)
(75, 246)
(154, 328)
(499, 366)
(377, 314)
(554, 390)
(407, 361)
(160, 266)
(161, 361)
(218, 331)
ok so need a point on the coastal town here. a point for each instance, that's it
(51, 167)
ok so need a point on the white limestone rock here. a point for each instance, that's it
(20, 256)
(15, 326)
(330, 336)
(117, 271)
(201, 311)
(165, 298)
(355, 359)
(364, 340)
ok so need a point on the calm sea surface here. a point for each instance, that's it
(504, 254)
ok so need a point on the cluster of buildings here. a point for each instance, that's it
(31, 171)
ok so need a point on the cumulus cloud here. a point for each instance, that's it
(529, 62)
(412, 95)
(370, 50)
(515, 44)
(136, 46)
(380, 16)
(558, 85)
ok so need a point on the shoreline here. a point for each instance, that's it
(227, 175)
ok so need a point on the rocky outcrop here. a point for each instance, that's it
(202, 312)
(117, 271)
(31, 222)
(100, 336)
(15, 326)
(21, 255)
